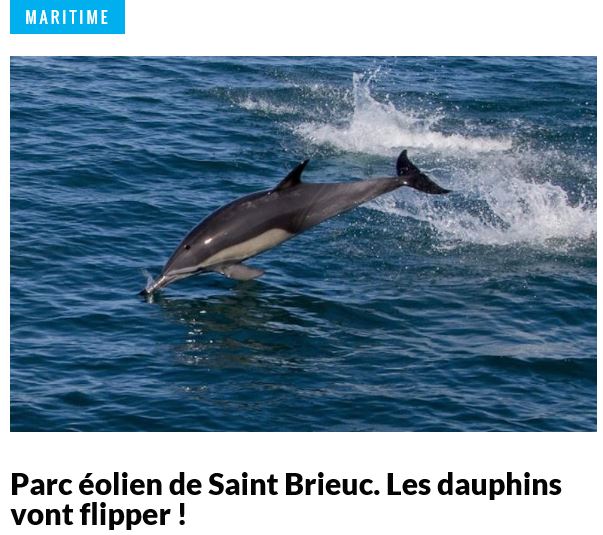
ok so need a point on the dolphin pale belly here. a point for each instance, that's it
(255, 223)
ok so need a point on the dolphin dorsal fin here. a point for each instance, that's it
(293, 178)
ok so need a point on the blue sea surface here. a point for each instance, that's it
(473, 311)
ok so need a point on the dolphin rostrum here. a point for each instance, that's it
(260, 221)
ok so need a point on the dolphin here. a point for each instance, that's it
(260, 221)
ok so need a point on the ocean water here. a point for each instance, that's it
(473, 311)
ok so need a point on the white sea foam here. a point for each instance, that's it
(497, 204)
(379, 128)
(265, 106)
(504, 195)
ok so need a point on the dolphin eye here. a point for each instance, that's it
(187, 247)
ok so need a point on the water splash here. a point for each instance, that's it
(380, 128)
(149, 278)
(503, 213)
(505, 199)
(505, 195)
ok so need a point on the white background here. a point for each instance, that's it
(239, 27)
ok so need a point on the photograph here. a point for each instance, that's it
(301, 244)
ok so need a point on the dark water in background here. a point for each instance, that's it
(473, 311)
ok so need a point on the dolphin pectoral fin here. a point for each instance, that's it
(241, 272)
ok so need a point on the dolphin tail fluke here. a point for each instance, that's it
(412, 176)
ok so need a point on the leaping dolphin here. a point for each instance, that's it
(260, 221)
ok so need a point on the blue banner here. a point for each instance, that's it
(67, 16)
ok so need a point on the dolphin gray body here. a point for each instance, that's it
(260, 221)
